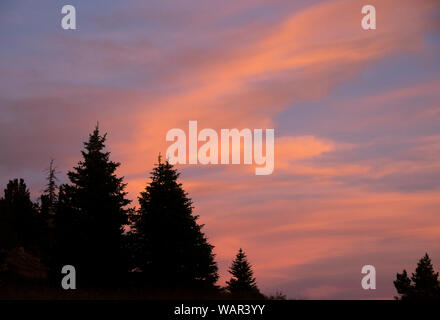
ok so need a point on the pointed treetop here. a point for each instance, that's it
(51, 185)
(96, 140)
(242, 282)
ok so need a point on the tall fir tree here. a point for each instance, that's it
(242, 284)
(94, 208)
(171, 249)
(424, 283)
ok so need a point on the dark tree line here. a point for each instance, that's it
(89, 223)
(423, 283)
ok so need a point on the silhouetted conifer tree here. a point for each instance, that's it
(424, 283)
(67, 232)
(171, 249)
(242, 283)
(49, 196)
(22, 233)
(91, 215)
(20, 224)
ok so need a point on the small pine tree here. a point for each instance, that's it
(242, 283)
(424, 283)
(171, 249)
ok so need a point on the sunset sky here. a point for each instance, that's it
(356, 115)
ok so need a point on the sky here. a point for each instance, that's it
(356, 117)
